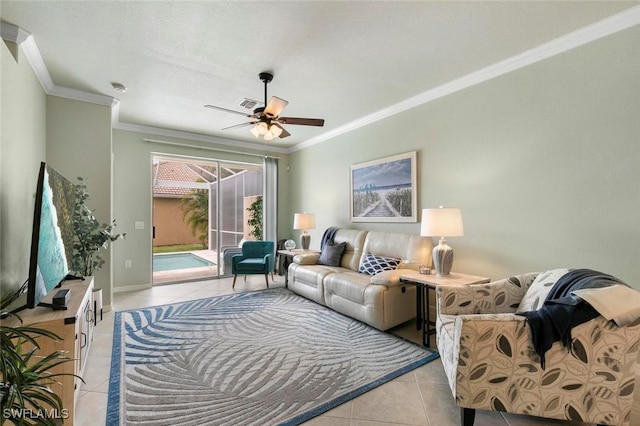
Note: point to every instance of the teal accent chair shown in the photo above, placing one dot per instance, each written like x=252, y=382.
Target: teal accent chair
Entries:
x=258, y=257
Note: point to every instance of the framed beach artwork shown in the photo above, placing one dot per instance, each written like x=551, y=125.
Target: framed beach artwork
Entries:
x=384, y=190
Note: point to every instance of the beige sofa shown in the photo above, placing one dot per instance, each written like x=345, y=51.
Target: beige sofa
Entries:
x=379, y=300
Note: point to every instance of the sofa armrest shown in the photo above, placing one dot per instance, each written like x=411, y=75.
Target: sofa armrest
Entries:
x=236, y=258
x=306, y=258
x=502, y=296
x=388, y=278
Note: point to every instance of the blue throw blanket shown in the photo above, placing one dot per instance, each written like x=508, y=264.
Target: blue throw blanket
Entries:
x=562, y=311
x=328, y=236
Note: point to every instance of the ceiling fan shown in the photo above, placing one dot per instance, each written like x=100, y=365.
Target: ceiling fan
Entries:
x=266, y=120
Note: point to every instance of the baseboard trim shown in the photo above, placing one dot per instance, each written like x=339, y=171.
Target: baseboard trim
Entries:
x=127, y=288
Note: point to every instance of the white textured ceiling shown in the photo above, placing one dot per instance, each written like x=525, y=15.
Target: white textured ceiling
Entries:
x=334, y=60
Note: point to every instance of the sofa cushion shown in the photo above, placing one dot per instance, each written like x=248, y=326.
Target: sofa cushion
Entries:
x=311, y=274
x=539, y=289
x=372, y=264
x=353, y=250
x=331, y=254
x=348, y=284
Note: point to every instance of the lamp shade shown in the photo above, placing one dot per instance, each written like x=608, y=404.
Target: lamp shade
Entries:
x=442, y=222
x=304, y=221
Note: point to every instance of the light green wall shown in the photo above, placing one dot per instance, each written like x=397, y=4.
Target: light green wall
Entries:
x=544, y=163
x=79, y=145
x=22, y=148
x=132, y=196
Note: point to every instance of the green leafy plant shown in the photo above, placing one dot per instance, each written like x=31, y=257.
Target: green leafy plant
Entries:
x=90, y=236
x=27, y=398
x=255, y=218
x=195, y=210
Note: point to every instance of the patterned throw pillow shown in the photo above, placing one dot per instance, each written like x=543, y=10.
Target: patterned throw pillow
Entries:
x=372, y=264
x=331, y=254
x=539, y=289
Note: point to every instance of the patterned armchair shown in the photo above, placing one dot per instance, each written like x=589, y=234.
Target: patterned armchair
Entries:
x=491, y=364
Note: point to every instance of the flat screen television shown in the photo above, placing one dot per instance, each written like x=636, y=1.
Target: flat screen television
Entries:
x=52, y=234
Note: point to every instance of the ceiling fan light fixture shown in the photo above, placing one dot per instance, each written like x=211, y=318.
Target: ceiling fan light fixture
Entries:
x=268, y=136
x=275, y=130
x=254, y=131
x=262, y=128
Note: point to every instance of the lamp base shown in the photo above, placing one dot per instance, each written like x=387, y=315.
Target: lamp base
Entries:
x=442, y=258
x=305, y=240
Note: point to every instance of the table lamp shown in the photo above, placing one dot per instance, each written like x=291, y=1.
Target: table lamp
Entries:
x=304, y=221
x=442, y=222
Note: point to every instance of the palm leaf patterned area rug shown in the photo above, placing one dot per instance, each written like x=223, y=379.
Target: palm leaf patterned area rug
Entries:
x=260, y=358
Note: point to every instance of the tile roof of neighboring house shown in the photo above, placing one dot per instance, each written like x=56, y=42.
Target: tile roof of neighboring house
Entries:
x=180, y=172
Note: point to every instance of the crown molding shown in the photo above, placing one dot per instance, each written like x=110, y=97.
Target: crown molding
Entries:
x=138, y=128
x=81, y=95
x=13, y=33
x=605, y=27
x=27, y=44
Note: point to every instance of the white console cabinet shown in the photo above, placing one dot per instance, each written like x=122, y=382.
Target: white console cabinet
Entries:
x=75, y=327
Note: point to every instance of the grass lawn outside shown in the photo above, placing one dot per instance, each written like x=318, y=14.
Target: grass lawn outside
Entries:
x=179, y=247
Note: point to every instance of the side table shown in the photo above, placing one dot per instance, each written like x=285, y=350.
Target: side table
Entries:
x=289, y=255
x=424, y=283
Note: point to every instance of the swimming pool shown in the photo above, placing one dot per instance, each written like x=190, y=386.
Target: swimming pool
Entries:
x=175, y=261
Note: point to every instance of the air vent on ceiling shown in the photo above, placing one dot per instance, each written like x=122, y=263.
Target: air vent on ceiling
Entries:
x=250, y=104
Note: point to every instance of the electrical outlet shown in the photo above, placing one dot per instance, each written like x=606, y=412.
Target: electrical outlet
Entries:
x=127, y=263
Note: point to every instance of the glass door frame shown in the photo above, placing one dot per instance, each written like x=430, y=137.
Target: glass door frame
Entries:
x=216, y=242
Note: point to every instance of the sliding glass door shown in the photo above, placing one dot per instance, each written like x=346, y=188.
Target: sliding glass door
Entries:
x=201, y=209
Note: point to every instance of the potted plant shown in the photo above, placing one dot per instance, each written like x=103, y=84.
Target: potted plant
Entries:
x=90, y=236
x=255, y=218
x=27, y=398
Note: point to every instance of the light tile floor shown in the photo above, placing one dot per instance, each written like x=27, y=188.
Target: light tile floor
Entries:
x=420, y=397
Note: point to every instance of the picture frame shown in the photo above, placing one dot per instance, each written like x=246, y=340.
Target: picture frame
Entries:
x=384, y=190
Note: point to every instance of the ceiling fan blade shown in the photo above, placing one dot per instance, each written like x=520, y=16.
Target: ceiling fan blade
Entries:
x=284, y=133
x=275, y=106
x=239, y=125
x=229, y=110
x=302, y=121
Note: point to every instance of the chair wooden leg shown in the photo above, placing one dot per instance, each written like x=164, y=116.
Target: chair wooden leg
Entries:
x=467, y=416
x=266, y=279
x=234, y=282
